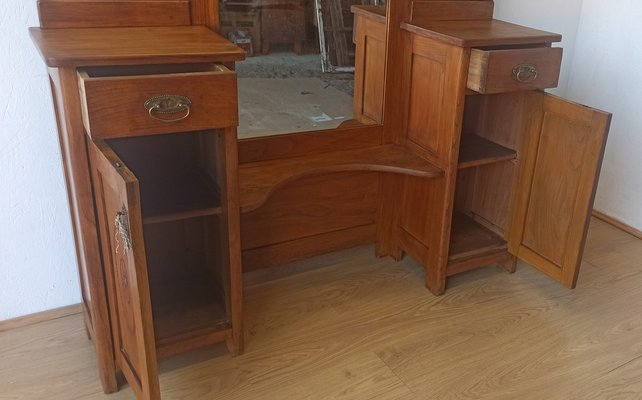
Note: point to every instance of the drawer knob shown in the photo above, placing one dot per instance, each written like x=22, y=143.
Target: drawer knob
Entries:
x=160, y=107
x=525, y=73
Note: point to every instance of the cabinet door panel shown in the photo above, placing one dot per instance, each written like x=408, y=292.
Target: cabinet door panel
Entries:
x=557, y=186
x=120, y=223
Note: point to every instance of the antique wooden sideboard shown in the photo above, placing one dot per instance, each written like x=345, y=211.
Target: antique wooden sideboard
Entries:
x=455, y=157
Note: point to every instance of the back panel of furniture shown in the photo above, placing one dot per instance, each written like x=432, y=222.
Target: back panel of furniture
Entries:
x=131, y=13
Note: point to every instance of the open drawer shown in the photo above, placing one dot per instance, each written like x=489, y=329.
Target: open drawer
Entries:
x=147, y=100
x=509, y=70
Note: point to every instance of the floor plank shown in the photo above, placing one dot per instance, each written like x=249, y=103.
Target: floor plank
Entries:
x=366, y=328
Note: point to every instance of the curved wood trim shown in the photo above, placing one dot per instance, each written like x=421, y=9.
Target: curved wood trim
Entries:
x=258, y=181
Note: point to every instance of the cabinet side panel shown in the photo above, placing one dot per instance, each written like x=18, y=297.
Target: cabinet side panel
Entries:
x=426, y=93
x=81, y=204
x=434, y=84
x=373, y=80
x=492, y=198
x=369, y=70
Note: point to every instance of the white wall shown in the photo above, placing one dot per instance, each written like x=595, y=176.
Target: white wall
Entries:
x=559, y=16
x=606, y=74
x=603, y=57
x=37, y=258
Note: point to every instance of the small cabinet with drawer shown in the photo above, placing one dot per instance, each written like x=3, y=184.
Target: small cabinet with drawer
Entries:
x=165, y=195
x=147, y=120
x=521, y=165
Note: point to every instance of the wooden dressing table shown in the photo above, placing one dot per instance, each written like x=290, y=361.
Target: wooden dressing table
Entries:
x=455, y=157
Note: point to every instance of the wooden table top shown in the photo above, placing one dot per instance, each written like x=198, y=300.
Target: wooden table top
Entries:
x=479, y=33
x=127, y=46
x=377, y=13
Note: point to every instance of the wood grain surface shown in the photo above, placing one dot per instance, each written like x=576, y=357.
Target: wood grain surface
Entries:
x=369, y=70
x=114, y=106
x=131, y=46
x=491, y=71
x=125, y=269
x=364, y=328
x=432, y=10
x=481, y=33
x=259, y=180
x=106, y=13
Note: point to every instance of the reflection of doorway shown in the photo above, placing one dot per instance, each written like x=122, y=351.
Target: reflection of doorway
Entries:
x=335, y=24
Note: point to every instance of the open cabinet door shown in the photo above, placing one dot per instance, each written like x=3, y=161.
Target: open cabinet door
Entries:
x=557, y=185
x=120, y=225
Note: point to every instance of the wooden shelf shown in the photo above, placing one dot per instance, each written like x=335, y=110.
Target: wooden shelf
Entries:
x=473, y=245
x=188, y=313
x=475, y=151
x=257, y=181
x=169, y=199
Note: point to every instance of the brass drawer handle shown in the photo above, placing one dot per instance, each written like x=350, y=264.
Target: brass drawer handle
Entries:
x=159, y=106
x=525, y=73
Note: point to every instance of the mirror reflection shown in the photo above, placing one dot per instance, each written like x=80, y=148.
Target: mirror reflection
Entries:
x=299, y=70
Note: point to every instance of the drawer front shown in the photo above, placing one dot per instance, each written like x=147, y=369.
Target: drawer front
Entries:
x=121, y=106
x=497, y=71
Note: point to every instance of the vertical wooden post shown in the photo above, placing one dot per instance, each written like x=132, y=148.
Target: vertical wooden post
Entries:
x=391, y=187
x=205, y=12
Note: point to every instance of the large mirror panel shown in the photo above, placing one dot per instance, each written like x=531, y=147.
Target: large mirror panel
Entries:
x=298, y=75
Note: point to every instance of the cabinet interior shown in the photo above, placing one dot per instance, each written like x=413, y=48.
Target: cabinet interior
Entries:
x=151, y=69
x=180, y=183
x=489, y=162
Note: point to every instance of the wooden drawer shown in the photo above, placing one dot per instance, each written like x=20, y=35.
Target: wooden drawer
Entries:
x=118, y=105
x=497, y=71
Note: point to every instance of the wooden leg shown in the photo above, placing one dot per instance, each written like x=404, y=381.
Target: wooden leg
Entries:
x=298, y=46
x=235, y=344
x=436, y=285
x=388, y=214
x=510, y=265
x=397, y=254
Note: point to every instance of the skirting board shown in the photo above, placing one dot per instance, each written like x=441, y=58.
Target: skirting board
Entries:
x=40, y=317
x=617, y=223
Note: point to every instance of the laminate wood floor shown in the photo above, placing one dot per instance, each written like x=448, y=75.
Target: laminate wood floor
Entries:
x=365, y=328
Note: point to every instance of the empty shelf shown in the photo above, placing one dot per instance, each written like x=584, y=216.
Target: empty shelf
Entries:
x=475, y=151
x=473, y=245
x=169, y=199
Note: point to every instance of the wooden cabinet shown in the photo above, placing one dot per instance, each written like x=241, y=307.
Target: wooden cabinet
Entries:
x=521, y=166
x=464, y=162
x=282, y=21
x=148, y=135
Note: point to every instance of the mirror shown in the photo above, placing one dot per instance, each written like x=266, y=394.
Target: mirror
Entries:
x=298, y=74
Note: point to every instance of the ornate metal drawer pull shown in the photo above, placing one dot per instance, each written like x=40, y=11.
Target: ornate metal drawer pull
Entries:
x=168, y=104
x=525, y=73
